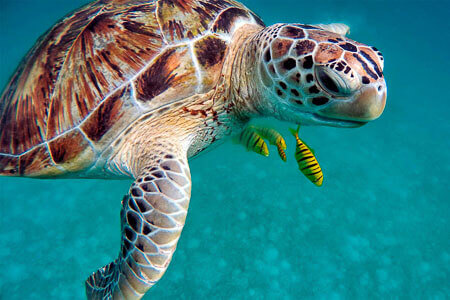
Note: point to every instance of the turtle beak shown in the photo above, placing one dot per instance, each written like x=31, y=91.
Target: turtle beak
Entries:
x=366, y=105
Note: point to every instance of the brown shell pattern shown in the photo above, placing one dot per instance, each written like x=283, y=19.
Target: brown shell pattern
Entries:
x=100, y=68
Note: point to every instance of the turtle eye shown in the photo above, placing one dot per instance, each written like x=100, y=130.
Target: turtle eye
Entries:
x=332, y=82
x=327, y=82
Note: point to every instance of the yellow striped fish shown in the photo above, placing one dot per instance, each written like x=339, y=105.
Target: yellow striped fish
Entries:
x=281, y=153
x=252, y=141
x=307, y=162
x=275, y=139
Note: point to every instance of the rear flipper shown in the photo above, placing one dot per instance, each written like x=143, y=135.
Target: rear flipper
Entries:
x=152, y=217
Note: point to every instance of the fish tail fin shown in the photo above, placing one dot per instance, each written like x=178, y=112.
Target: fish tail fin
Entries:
x=295, y=131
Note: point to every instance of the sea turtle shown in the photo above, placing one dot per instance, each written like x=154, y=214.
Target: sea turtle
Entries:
x=134, y=88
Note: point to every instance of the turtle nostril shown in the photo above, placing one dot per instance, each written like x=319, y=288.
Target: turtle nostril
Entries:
x=380, y=87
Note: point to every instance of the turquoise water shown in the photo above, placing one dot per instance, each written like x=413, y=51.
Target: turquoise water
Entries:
x=379, y=227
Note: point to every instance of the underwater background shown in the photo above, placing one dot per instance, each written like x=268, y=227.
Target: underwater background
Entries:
x=379, y=228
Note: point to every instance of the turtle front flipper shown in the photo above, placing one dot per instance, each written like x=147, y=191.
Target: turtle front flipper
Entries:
x=152, y=217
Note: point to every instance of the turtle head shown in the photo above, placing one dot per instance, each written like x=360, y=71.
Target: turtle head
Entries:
x=316, y=75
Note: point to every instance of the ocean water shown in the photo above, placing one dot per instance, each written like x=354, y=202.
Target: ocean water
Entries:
x=379, y=228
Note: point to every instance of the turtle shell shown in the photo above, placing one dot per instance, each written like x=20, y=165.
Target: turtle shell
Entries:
x=100, y=68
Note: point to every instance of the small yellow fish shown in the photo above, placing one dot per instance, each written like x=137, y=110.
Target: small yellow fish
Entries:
x=307, y=162
x=252, y=141
x=274, y=138
x=281, y=152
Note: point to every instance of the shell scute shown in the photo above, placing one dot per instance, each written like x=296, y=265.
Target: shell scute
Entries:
x=110, y=118
x=71, y=151
x=185, y=19
x=24, y=105
x=114, y=46
x=9, y=165
x=170, y=77
x=38, y=163
x=210, y=52
x=227, y=18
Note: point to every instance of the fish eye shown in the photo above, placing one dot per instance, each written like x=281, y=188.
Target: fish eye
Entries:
x=332, y=82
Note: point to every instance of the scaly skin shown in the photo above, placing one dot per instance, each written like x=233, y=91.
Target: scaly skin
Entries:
x=154, y=146
x=278, y=76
